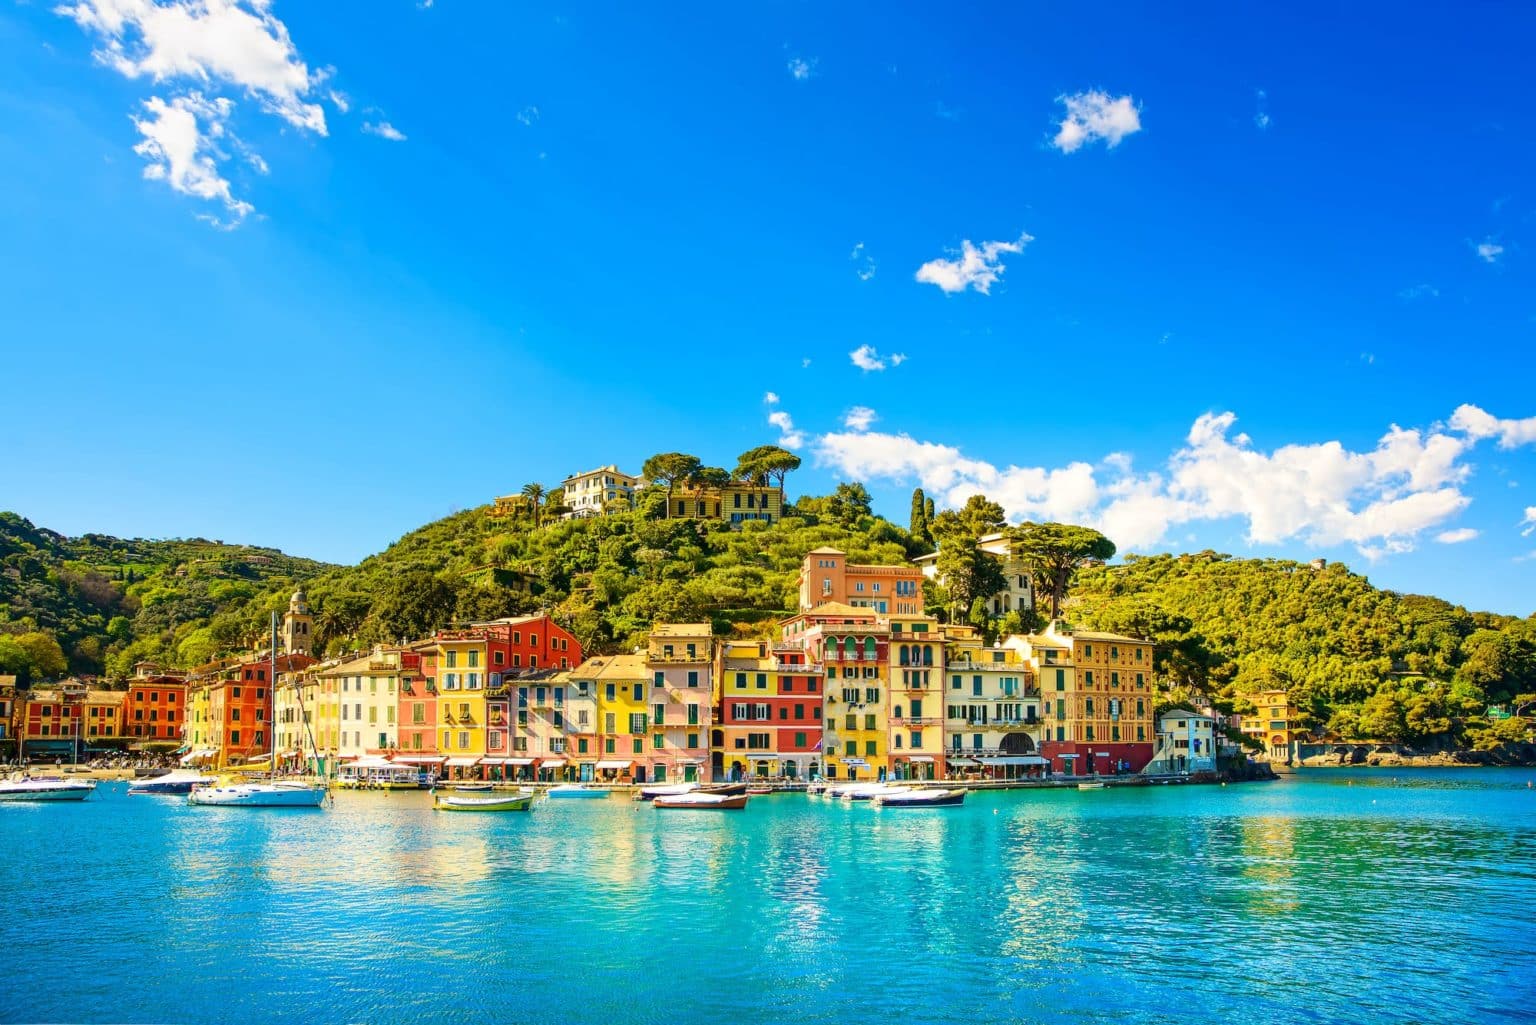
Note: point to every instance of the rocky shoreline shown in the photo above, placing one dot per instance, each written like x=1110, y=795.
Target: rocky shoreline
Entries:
x=1393, y=756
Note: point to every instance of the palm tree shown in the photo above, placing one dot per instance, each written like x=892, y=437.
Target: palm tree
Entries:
x=535, y=495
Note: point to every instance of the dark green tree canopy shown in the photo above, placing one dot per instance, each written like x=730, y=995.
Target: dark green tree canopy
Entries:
x=1054, y=552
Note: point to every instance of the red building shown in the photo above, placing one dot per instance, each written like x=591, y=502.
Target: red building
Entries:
x=241, y=703
x=768, y=723
x=155, y=710
x=522, y=644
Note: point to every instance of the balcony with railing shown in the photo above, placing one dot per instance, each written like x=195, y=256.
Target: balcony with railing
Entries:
x=799, y=668
x=915, y=722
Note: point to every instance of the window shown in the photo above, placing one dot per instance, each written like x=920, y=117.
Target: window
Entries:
x=474, y=659
x=658, y=713
x=463, y=741
x=762, y=681
x=869, y=748
x=639, y=692
x=693, y=716
x=657, y=740
x=658, y=679
x=976, y=686
x=693, y=678
x=452, y=660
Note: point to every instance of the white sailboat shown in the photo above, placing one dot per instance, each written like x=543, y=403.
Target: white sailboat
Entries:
x=276, y=793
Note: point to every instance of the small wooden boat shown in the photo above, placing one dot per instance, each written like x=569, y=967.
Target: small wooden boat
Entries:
x=520, y=801
x=575, y=790
x=703, y=802
x=920, y=799
x=650, y=793
x=1090, y=786
x=470, y=788
x=725, y=789
x=759, y=791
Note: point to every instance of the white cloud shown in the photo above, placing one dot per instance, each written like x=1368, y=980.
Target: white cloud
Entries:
x=1419, y=292
x=1457, y=536
x=1096, y=115
x=805, y=362
x=867, y=357
x=1489, y=251
x=1529, y=523
x=1261, y=116
x=181, y=147
x=803, y=68
x=977, y=267
x=1381, y=500
x=865, y=268
x=1479, y=424
x=789, y=437
x=528, y=115
x=241, y=44
x=384, y=130
x=193, y=49
x=340, y=101
x=771, y=397
x=859, y=418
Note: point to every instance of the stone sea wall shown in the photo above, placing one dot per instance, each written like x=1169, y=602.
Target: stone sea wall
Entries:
x=1319, y=755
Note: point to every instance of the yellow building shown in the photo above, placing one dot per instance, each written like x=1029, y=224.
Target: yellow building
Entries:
x=735, y=503
x=915, y=669
x=104, y=717
x=1097, y=693
x=619, y=686
x=853, y=646
x=461, y=685
x=992, y=709
x=1273, y=723
x=595, y=492
x=202, y=733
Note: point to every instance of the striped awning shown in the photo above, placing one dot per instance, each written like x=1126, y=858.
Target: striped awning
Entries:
x=463, y=763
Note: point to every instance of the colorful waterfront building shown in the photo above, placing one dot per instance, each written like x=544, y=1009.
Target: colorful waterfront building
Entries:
x=297, y=734
x=593, y=493
x=735, y=503
x=769, y=712
x=239, y=705
x=1273, y=723
x=366, y=693
x=51, y=721
x=1097, y=693
x=416, y=727
x=991, y=709
x=8, y=714
x=680, y=661
x=915, y=698
x=1186, y=743
x=154, y=711
x=620, y=684
x=826, y=575
x=103, y=721
x=523, y=644
x=853, y=646
x=542, y=714
x=461, y=686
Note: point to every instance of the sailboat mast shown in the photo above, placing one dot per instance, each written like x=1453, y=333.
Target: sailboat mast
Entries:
x=272, y=690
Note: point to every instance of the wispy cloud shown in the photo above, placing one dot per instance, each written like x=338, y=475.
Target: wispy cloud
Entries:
x=1529, y=523
x=192, y=49
x=803, y=68
x=859, y=418
x=864, y=264
x=384, y=130
x=1261, y=113
x=340, y=100
x=866, y=357
x=1488, y=251
x=1094, y=115
x=1419, y=292
x=976, y=267
x=528, y=115
x=1457, y=536
x=771, y=398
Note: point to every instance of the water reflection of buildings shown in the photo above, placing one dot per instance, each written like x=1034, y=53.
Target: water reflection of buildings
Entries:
x=1268, y=846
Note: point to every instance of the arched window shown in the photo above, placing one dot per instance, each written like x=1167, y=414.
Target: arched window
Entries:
x=869, y=648
x=927, y=654
x=906, y=658
x=850, y=648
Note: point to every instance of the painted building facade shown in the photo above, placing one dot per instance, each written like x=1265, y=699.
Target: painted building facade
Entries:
x=590, y=493
x=992, y=709
x=826, y=575
x=915, y=671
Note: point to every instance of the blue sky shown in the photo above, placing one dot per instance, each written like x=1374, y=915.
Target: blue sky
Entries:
x=313, y=275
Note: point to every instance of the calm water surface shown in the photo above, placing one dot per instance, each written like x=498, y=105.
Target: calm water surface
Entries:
x=1336, y=895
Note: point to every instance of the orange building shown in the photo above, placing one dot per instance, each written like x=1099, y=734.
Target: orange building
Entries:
x=155, y=710
x=826, y=575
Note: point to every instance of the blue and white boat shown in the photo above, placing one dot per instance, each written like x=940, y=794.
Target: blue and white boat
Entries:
x=49, y=788
x=575, y=790
x=179, y=781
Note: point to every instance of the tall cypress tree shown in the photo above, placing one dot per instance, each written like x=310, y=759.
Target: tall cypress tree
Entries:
x=919, y=523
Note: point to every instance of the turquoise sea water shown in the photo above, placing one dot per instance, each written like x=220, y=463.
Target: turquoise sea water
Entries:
x=1399, y=896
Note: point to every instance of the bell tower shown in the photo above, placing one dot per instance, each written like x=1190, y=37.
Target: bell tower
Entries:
x=298, y=625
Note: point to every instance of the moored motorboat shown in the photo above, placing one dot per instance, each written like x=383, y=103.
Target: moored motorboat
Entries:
x=520, y=801
x=726, y=789
x=758, y=790
x=697, y=801
x=934, y=798
x=45, y=788
x=281, y=794
x=650, y=793
x=575, y=790
x=1090, y=786
x=467, y=787
x=177, y=781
